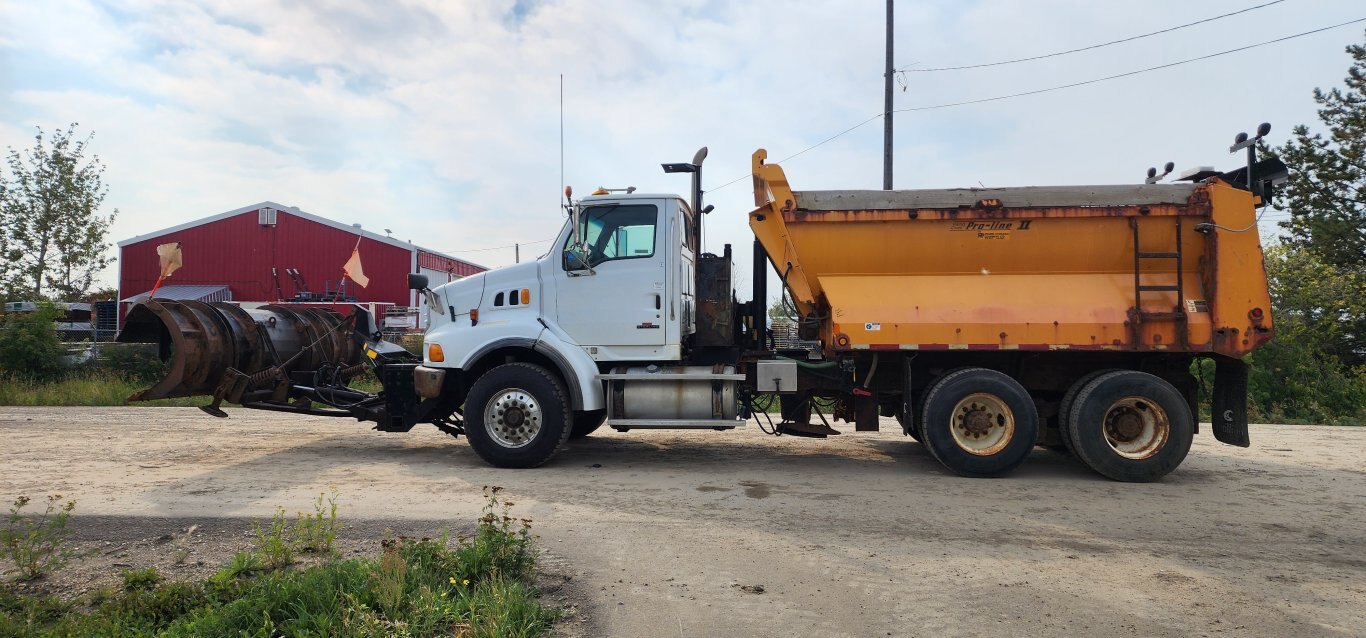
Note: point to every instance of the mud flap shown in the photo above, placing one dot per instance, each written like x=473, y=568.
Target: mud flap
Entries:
x=1228, y=406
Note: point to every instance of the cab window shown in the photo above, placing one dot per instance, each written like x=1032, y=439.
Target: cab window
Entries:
x=618, y=232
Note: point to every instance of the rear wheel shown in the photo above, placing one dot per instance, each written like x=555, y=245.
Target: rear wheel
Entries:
x=1130, y=426
x=586, y=422
x=1070, y=398
x=517, y=415
x=978, y=422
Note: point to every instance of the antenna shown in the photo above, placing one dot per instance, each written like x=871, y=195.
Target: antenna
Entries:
x=562, y=132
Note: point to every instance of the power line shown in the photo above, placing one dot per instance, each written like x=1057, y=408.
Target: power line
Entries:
x=1046, y=90
x=1087, y=48
x=813, y=146
x=1124, y=75
x=480, y=250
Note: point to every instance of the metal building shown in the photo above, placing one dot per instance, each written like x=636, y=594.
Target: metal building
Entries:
x=269, y=253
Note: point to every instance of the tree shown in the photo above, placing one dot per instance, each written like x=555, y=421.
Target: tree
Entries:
x=1326, y=196
x=56, y=234
x=6, y=266
x=1299, y=375
x=1326, y=192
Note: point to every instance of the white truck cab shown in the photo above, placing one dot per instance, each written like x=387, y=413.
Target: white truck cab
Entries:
x=615, y=288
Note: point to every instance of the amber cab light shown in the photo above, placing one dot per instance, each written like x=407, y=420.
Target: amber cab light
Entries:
x=474, y=316
x=434, y=352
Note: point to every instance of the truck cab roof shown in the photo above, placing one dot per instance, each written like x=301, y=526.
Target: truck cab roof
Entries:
x=627, y=196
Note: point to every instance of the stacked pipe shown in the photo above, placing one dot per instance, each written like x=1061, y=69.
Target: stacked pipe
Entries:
x=202, y=341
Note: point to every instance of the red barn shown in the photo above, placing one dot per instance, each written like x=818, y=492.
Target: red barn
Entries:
x=252, y=253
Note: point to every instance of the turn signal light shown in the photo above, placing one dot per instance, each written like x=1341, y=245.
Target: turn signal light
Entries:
x=526, y=296
x=474, y=316
x=434, y=353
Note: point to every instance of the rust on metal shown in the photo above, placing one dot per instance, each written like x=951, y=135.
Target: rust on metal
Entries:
x=223, y=349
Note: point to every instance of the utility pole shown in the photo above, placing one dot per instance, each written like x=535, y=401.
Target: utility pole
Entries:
x=887, y=109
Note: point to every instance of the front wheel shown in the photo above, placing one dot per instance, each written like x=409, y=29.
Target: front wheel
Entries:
x=1130, y=426
x=978, y=422
x=517, y=415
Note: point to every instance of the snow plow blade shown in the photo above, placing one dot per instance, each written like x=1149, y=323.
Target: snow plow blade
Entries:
x=211, y=345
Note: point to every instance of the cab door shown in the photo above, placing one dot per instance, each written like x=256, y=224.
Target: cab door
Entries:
x=613, y=294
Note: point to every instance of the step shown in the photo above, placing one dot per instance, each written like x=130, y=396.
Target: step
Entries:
x=673, y=424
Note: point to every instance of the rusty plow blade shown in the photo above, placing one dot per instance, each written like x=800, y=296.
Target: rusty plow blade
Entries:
x=239, y=354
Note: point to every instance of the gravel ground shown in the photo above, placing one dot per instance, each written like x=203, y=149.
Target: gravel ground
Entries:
x=738, y=533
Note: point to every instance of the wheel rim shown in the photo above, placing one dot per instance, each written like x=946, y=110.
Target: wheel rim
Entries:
x=1136, y=428
x=513, y=417
x=982, y=424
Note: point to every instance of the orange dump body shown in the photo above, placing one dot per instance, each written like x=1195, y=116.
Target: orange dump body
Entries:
x=1161, y=267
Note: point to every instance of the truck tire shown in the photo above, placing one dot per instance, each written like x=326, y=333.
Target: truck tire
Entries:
x=586, y=422
x=1068, y=399
x=1130, y=426
x=978, y=422
x=517, y=415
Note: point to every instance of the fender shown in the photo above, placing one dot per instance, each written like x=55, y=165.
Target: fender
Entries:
x=579, y=372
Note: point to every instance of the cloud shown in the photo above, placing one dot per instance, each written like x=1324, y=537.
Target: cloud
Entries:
x=441, y=119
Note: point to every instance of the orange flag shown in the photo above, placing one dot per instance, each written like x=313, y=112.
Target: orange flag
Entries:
x=353, y=270
x=170, y=257
x=171, y=260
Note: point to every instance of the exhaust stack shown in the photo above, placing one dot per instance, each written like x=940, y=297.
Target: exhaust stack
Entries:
x=203, y=341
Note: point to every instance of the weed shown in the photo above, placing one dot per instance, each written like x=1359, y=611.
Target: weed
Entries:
x=415, y=588
x=182, y=549
x=315, y=532
x=242, y=565
x=275, y=545
x=390, y=579
x=37, y=545
x=501, y=547
x=144, y=579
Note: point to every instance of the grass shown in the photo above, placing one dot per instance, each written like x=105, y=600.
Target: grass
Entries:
x=476, y=586
x=101, y=387
x=83, y=388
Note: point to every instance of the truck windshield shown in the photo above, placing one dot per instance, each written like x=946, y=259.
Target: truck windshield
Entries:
x=619, y=232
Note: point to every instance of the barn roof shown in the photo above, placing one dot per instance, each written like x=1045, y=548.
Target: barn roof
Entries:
x=186, y=293
x=292, y=210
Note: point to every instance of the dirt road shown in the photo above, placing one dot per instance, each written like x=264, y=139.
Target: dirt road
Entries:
x=709, y=533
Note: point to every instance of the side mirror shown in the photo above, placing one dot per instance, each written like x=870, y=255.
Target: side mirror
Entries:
x=575, y=260
x=417, y=281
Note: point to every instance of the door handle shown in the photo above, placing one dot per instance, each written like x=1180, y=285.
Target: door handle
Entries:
x=657, y=301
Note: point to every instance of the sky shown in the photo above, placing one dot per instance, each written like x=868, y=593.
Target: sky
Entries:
x=441, y=121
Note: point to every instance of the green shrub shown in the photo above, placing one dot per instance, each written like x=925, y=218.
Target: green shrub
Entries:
x=144, y=579
x=137, y=362
x=37, y=545
x=1292, y=383
x=29, y=347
